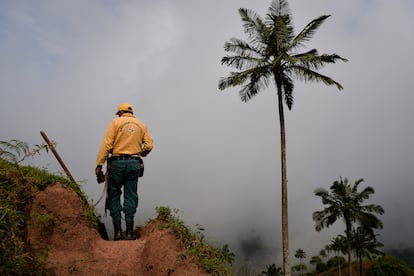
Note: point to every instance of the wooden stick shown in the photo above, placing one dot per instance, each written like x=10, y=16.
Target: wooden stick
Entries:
x=52, y=148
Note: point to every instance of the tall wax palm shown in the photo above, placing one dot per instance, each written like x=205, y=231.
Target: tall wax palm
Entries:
x=272, y=55
x=345, y=202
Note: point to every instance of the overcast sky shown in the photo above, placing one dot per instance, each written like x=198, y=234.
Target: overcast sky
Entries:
x=66, y=65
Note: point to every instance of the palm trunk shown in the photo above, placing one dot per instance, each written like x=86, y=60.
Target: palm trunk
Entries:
x=349, y=241
x=285, y=232
x=339, y=265
x=348, y=238
x=349, y=259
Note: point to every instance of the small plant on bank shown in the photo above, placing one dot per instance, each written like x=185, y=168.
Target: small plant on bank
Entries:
x=15, y=151
x=213, y=260
x=170, y=270
x=46, y=222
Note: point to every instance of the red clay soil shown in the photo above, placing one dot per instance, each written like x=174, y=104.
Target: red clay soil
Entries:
x=59, y=230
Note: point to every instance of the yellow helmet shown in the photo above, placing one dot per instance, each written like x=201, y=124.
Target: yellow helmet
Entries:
x=124, y=107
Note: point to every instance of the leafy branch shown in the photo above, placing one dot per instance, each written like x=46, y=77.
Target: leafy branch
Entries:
x=16, y=151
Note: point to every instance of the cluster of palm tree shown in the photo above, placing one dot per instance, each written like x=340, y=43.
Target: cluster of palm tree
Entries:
x=273, y=55
x=345, y=202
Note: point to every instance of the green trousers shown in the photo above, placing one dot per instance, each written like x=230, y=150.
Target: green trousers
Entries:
x=123, y=174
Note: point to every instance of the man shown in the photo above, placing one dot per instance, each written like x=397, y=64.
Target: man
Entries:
x=127, y=140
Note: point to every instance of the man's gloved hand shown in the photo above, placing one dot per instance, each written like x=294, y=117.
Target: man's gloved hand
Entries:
x=100, y=177
x=144, y=153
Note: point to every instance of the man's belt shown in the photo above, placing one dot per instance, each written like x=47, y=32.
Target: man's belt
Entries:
x=124, y=157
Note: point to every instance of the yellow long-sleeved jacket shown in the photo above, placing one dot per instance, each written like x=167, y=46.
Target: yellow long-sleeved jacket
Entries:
x=125, y=135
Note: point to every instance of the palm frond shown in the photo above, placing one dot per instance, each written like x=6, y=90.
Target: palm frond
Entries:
x=325, y=218
x=241, y=62
x=307, y=33
x=259, y=80
x=321, y=192
x=313, y=61
x=304, y=56
x=252, y=23
x=241, y=48
x=288, y=85
x=7, y=155
x=372, y=208
x=256, y=29
x=278, y=8
x=235, y=78
x=283, y=31
x=306, y=74
x=14, y=150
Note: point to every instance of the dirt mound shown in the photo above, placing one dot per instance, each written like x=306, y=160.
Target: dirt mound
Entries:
x=59, y=231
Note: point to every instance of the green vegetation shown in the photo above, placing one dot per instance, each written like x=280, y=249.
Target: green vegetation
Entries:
x=12, y=226
x=15, y=200
x=388, y=265
x=16, y=186
x=383, y=266
x=212, y=259
x=272, y=54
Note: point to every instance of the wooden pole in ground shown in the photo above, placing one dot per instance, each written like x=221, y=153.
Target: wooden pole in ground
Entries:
x=52, y=148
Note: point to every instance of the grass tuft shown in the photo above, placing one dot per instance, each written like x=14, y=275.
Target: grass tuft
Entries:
x=211, y=259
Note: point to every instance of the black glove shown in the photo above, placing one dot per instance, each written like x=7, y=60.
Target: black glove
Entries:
x=100, y=177
x=145, y=153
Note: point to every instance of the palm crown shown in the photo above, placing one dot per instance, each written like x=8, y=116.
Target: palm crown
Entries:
x=272, y=51
x=345, y=202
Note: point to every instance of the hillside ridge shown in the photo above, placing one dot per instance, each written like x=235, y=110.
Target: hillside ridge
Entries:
x=58, y=230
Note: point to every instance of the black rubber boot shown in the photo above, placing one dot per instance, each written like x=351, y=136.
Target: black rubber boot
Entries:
x=130, y=233
x=117, y=230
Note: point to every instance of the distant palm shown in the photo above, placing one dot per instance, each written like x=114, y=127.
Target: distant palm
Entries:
x=365, y=244
x=272, y=270
x=227, y=255
x=272, y=56
x=339, y=246
x=318, y=263
x=300, y=254
x=344, y=201
x=323, y=253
